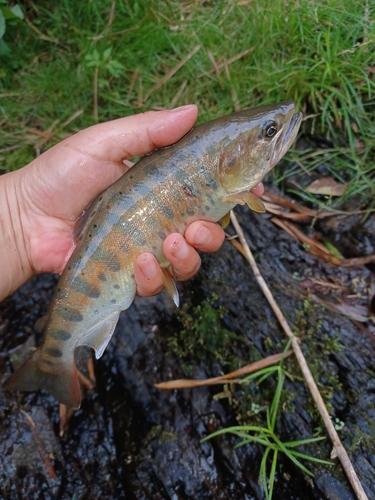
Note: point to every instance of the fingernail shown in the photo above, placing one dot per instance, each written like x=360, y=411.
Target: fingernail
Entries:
x=182, y=108
x=149, y=267
x=181, y=249
x=202, y=236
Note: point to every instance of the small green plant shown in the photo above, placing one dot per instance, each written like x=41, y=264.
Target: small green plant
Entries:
x=106, y=64
x=8, y=16
x=266, y=435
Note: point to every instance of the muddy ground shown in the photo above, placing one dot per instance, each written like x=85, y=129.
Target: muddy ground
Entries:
x=131, y=441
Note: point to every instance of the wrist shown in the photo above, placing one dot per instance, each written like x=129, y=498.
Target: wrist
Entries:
x=15, y=267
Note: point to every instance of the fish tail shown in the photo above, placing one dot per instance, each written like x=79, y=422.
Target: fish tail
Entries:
x=62, y=383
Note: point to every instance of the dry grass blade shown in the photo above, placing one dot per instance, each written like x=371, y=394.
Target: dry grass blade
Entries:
x=229, y=377
x=318, y=249
x=40, y=445
x=314, y=246
x=75, y=115
x=170, y=73
x=176, y=98
x=357, y=261
x=275, y=209
x=219, y=66
x=316, y=214
x=338, y=447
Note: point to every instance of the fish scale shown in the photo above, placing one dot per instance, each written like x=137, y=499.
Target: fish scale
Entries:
x=203, y=176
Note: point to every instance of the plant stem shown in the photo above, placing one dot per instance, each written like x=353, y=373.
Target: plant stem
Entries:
x=96, y=73
x=338, y=447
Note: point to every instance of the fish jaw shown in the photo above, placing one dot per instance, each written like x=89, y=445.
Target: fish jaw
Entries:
x=288, y=137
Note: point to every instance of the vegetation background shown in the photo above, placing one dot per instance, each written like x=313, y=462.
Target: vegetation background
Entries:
x=70, y=64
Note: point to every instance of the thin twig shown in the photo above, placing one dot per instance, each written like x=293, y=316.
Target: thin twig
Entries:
x=96, y=73
x=40, y=445
x=170, y=73
x=227, y=62
x=338, y=448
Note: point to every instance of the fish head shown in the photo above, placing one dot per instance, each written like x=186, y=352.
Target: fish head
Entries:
x=255, y=140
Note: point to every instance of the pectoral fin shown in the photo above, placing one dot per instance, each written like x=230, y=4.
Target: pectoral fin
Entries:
x=246, y=198
x=225, y=220
x=170, y=285
x=99, y=336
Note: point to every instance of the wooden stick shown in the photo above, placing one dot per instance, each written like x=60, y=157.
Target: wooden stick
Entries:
x=338, y=448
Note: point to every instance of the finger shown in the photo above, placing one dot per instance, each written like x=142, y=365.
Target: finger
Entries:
x=182, y=256
x=205, y=236
x=148, y=275
x=258, y=190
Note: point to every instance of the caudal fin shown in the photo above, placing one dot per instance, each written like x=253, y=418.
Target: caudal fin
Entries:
x=63, y=385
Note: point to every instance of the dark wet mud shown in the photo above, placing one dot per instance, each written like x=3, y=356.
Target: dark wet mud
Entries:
x=131, y=441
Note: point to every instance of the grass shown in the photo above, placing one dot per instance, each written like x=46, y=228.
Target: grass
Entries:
x=266, y=435
x=108, y=59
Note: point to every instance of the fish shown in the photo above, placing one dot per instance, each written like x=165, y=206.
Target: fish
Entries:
x=201, y=177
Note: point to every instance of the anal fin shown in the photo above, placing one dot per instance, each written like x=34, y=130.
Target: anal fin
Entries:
x=99, y=336
x=246, y=198
x=170, y=285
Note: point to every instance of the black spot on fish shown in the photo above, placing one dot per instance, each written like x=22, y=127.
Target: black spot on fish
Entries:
x=100, y=199
x=113, y=264
x=69, y=314
x=162, y=235
x=57, y=334
x=82, y=286
x=95, y=225
x=167, y=212
x=132, y=277
x=139, y=237
x=54, y=352
x=113, y=301
x=116, y=287
x=207, y=208
x=154, y=247
x=102, y=277
x=190, y=211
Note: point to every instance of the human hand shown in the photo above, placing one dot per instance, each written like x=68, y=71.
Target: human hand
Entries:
x=43, y=199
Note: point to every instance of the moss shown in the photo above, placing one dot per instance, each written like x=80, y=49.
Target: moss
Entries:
x=204, y=338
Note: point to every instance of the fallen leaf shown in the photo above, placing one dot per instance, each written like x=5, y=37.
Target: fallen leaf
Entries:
x=327, y=186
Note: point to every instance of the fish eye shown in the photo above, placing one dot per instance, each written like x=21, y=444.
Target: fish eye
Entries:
x=269, y=129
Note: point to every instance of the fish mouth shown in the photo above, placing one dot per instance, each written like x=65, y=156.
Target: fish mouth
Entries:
x=288, y=136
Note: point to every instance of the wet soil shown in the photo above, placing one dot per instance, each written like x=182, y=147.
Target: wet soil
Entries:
x=131, y=441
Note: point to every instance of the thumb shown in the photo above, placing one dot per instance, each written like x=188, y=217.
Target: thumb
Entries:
x=85, y=164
